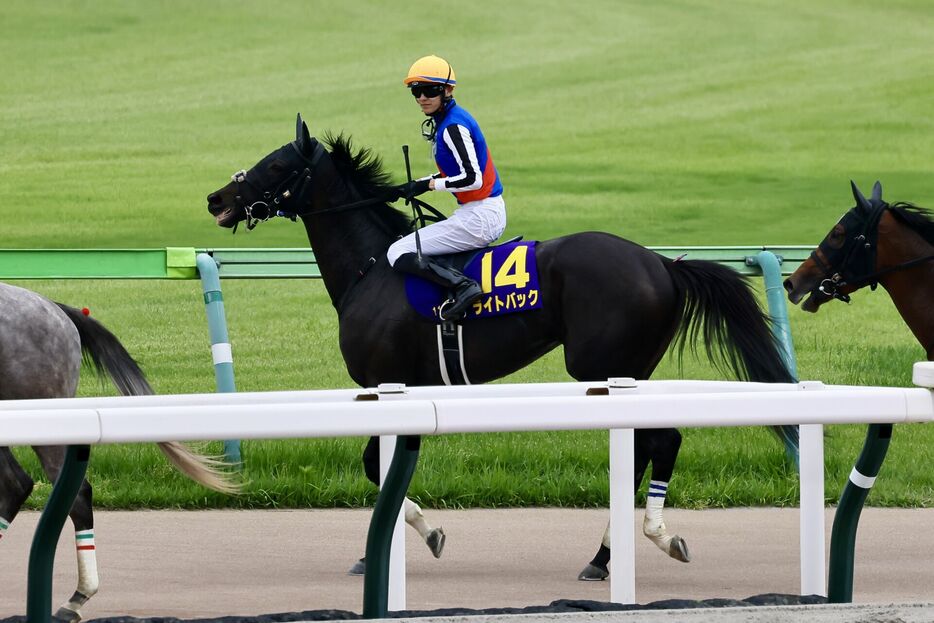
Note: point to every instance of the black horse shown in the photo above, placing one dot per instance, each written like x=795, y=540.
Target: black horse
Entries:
x=614, y=305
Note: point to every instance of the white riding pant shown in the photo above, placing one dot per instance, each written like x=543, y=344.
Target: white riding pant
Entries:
x=472, y=226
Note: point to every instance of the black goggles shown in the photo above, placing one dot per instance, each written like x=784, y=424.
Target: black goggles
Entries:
x=428, y=90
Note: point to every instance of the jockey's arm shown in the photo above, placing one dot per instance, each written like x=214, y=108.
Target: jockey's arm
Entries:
x=461, y=144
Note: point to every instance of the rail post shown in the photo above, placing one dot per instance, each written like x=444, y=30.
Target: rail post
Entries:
x=846, y=519
x=778, y=308
x=382, y=524
x=220, y=341
x=770, y=265
x=45, y=540
x=622, y=502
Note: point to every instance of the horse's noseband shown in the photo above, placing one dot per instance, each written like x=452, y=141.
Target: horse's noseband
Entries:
x=858, y=266
x=269, y=206
x=858, y=255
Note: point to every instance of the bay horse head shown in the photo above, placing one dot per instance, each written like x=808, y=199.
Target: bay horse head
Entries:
x=845, y=257
x=278, y=185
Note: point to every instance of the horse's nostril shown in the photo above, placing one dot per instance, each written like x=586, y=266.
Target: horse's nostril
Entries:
x=214, y=198
x=788, y=285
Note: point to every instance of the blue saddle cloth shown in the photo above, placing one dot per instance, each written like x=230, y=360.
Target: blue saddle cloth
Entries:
x=507, y=273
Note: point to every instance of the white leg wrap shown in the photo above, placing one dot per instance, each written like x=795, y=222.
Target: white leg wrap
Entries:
x=88, y=581
x=653, y=526
x=415, y=518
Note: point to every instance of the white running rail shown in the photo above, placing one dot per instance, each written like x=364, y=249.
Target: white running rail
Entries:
x=618, y=405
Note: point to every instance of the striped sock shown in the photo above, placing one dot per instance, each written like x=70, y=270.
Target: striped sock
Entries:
x=653, y=526
x=4, y=524
x=655, y=501
x=84, y=540
x=658, y=489
x=87, y=568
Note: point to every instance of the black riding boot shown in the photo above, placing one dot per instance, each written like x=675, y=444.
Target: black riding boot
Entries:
x=465, y=289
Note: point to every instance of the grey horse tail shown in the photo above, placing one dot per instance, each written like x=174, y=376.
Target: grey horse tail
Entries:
x=102, y=350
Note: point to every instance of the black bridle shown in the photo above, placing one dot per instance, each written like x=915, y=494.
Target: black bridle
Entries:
x=293, y=191
x=856, y=259
x=294, y=188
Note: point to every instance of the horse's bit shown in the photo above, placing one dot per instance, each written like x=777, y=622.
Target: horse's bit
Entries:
x=263, y=209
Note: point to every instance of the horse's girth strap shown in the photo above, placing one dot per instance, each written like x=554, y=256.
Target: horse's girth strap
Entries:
x=451, y=354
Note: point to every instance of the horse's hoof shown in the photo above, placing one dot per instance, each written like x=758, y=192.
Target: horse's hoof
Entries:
x=592, y=573
x=68, y=615
x=358, y=568
x=678, y=549
x=435, y=541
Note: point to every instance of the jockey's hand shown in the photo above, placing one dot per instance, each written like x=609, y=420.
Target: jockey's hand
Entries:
x=409, y=189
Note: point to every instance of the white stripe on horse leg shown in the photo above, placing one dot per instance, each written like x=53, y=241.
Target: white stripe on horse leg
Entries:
x=88, y=581
x=606, y=535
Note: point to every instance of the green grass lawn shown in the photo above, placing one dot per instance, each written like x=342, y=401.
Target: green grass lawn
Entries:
x=682, y=123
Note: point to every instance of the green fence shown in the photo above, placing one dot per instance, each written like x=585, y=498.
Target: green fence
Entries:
x=180, y=262
x=212, y=265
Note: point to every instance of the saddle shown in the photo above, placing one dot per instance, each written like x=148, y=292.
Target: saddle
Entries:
x=459, y=261
x=507, y=272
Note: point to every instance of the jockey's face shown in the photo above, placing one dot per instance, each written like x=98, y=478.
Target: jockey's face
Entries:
x=431, y=105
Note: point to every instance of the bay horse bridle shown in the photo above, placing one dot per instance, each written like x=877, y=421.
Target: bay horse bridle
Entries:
x=855, y=261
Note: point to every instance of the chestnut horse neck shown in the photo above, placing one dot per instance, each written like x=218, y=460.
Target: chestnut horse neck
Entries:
x=911, y=288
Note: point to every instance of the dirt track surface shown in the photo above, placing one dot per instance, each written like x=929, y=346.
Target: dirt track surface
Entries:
x=216, y=563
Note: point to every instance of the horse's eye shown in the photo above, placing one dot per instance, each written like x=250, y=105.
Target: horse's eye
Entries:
x=277, y=166
x=837, y=236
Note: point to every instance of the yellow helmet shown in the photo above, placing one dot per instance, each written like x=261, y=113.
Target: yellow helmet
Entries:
x=430, y=69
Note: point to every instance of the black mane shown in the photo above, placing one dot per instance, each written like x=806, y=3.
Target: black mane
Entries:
x=363, y=170
x=919, y=219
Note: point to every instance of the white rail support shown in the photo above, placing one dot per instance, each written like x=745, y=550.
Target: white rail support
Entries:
x=811, y=514
x=622, y=503
x=923, y=374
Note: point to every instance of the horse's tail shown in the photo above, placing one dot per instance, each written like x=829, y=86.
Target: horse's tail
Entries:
x=106, y=355
x=720, y=306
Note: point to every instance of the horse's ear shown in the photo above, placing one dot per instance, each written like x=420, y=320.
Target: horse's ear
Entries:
x=302, y=137
x=861, y=201
x=877, y=192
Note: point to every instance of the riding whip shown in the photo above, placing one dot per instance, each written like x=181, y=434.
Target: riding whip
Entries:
x=408, y=176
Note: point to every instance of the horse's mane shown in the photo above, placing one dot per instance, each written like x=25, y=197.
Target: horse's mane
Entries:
x=919, y=219
x=363, y=170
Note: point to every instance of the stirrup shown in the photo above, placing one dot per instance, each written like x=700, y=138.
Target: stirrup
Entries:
x=448, y=304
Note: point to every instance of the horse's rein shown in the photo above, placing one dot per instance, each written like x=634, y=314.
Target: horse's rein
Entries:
x=873, y=277
x=270, y=205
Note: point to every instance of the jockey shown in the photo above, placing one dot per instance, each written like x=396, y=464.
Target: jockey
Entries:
x=465, y=168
